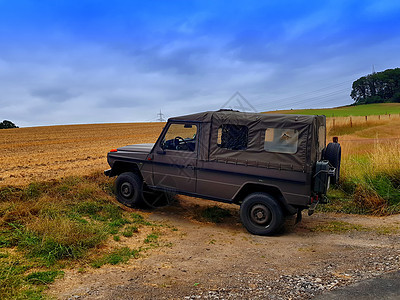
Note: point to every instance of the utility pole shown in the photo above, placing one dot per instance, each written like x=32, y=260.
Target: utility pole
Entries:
x=160, y=117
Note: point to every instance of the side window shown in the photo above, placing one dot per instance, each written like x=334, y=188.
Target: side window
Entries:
x=281, y=140
x=233, y=137
x=180, y=137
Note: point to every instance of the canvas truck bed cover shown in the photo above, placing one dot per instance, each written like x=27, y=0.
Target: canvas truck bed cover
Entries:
x=257, y=124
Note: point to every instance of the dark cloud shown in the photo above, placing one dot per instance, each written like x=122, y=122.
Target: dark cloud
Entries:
x=124, y=62
x=54, y=94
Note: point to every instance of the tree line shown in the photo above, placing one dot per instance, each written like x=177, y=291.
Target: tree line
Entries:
x=7, y=124
x=380, y=87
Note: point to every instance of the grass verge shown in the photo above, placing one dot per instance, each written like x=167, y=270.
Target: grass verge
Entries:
x=48, y=226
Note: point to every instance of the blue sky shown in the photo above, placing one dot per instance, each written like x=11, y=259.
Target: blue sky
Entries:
x=86, y=61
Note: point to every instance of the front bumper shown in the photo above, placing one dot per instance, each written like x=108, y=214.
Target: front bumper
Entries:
x=107, y=172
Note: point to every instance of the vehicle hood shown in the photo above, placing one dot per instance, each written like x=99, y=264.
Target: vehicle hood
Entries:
x=143, y=148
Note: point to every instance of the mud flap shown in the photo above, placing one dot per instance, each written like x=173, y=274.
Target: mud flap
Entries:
x=312, y=207
x=299, y=216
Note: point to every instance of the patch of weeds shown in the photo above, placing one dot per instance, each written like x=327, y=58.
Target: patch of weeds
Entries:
x=43, y=277
x=112, y=211
x=338, y=227
x=387, y=229
x=114, y=226
x=215, y=214
x=34, y=190
x=129, y=231
x=89, y=208
x=31, y=293
x=11, y=277
x=71, y=181
x=6, y=239
x=51, y=240
x=85, y=193
x=385, y=188
x=139, y=219
x=116, y=238
x=306, y=249
x=52, y=224
x=8, y=193
x=63, y=189
x=151, y=238
x=121, y=255
x=339, y=201
x=108, y=187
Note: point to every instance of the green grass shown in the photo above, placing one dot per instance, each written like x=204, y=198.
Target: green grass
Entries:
x=215, y=214
x=346, y=111
x=139, y=220
x=372, y=194
x=115, y=257
x=129, y=231
x=43, y=277
x=47, y=226
x=339, y=227
x=151, y=238
x=15, y=284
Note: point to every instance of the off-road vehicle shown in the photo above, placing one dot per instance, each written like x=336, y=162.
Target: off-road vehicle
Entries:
x=272, y=165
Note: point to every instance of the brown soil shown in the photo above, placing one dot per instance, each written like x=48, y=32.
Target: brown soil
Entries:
x=223, y=261
x=48, y=152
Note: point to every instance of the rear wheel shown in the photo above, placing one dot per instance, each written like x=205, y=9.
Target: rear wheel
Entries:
x=261, y=214
x=333, y=153
x=129, y=188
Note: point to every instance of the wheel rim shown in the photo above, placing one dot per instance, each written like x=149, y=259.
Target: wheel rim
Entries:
x=260, y=215
x=126, y=190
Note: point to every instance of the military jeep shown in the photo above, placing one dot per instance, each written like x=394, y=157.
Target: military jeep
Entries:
x=272, y=165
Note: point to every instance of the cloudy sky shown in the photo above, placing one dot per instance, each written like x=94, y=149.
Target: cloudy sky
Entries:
x=90, y=61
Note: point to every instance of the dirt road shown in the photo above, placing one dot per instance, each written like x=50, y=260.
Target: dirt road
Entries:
x=223, y=261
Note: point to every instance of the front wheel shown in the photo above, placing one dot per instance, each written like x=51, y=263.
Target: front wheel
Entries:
x=129, y=188
x=261, y=214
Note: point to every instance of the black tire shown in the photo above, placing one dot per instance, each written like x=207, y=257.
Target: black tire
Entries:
x=129, y=189
x=261, y=214
x=333, y=153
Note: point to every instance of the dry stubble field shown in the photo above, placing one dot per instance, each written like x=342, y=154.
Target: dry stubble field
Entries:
x=44, y=153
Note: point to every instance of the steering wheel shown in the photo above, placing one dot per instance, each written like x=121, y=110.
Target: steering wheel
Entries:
x=179, y=141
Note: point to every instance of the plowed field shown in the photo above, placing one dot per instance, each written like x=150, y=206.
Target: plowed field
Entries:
x=43, y=153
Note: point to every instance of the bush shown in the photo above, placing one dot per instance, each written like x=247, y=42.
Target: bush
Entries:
x=7, y=124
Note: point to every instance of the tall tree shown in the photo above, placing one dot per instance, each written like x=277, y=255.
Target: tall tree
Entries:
x=377, y=88
x=7, y=124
